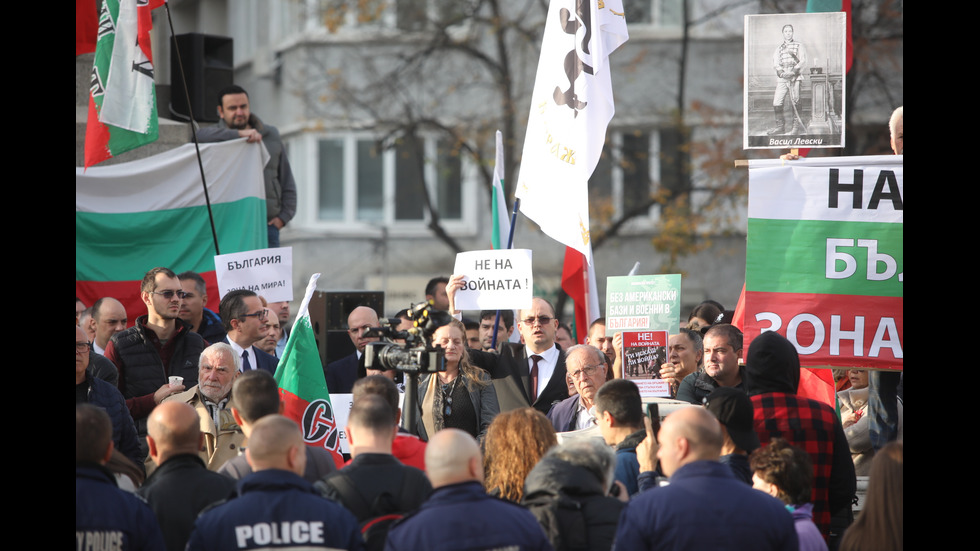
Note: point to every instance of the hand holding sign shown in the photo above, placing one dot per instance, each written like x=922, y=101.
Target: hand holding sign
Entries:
x=494, y=280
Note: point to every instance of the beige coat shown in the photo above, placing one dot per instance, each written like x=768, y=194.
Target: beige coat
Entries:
x=221, y=442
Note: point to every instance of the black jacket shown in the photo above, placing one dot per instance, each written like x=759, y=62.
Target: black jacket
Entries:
x=180, y=489
x=571, y=505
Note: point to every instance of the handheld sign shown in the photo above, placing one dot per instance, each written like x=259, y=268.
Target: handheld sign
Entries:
x=495, y=280
x=268, y=272
x=643, y=302
x=643, y=354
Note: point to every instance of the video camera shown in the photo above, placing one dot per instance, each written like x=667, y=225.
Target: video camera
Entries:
x=416, y=355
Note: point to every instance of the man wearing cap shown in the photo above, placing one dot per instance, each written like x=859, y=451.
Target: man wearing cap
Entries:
x=733, y=408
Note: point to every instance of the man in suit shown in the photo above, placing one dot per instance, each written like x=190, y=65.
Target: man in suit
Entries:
x=530, y=374
x=244, y=319
x=341, y=374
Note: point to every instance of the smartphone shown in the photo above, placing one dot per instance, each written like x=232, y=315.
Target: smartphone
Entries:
x=653, y=412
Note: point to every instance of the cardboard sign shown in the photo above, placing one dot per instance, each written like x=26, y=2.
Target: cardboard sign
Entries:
x=268, y=272
x=643, y=302
x=495, y=280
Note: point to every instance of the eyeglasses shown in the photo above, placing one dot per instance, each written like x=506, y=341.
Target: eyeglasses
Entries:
x=261, y=315
x=587, y=371
x=169, y=293
x=82, y=346
x=543, y=320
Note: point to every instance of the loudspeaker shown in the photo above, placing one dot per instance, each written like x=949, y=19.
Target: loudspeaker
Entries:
x=328, y=315
x=208, y=67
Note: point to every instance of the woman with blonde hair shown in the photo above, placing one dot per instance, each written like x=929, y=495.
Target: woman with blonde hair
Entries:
x=461, y=397
x=515, y=442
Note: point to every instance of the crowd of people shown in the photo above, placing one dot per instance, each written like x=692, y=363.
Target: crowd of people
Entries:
x=529, y=443
x=181, y=442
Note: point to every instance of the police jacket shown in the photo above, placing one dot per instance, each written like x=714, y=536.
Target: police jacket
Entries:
x=107, y=517
x=276, y=508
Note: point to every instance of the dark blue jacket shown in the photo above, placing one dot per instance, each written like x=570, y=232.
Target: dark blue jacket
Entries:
x=562, y=414
x=705, y=507
x=276, y=508
x=108, y=397
x=341, y=374
x=462, y=517
x=107, y=517
x=211, y=328
x=266, y=361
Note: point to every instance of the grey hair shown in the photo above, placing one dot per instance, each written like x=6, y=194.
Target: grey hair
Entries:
x=589, y=453
x=217, y=349
x=596, y=353
x=897, y=115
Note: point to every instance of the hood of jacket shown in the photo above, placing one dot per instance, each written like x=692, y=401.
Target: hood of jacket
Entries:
x=551, y=475
x=772, y=365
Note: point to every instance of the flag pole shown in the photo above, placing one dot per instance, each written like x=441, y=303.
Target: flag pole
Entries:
x=510, y=245
x=197, y=145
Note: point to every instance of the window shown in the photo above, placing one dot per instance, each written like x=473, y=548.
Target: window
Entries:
x=658, y=13
x=627, y=175
x=359, y=183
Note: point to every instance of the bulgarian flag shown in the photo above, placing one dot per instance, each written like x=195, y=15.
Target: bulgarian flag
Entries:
x=134, y=216
x=501, y=220
x=578, y=282
x=824, y=262
x=122, y=112
x=302, y=386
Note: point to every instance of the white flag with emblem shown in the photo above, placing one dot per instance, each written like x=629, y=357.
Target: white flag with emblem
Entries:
x=571, y=105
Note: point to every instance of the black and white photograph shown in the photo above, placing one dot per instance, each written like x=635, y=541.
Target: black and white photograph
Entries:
x=794, y=80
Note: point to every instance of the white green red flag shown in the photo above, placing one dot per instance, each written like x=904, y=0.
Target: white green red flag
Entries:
x=302, y=386
x=824, y=259
x=122, y=113
x=500, y=216
x=134, y=216
x=571, y=105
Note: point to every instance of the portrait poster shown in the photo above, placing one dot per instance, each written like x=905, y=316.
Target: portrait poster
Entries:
x=794, y=80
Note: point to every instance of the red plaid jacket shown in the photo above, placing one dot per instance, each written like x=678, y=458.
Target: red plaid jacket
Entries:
x=813, y=426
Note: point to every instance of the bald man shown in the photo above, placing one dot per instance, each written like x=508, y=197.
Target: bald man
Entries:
x=690, y=442
x=182, y=486
x=341, y=374
x=108, y=318
x=459, y=512
x=105, y=516
x=275, y=506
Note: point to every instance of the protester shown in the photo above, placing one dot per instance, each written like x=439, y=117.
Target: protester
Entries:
x=568, y=492
x=881, y=524
x=857, y=423
x=515, y=442
x=785, y=472
x=459, y=514
x=462, y=396
x=685, y=354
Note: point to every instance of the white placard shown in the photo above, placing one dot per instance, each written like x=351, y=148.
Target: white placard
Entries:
x=342, y=404
x=268, y=272
x=495, y=280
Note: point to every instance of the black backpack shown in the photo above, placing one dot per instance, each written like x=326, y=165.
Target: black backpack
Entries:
x=379, y=516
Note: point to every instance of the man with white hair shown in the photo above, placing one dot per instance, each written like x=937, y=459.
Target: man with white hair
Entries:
x=896, y=128
x=460, y=514
x=211, y=398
